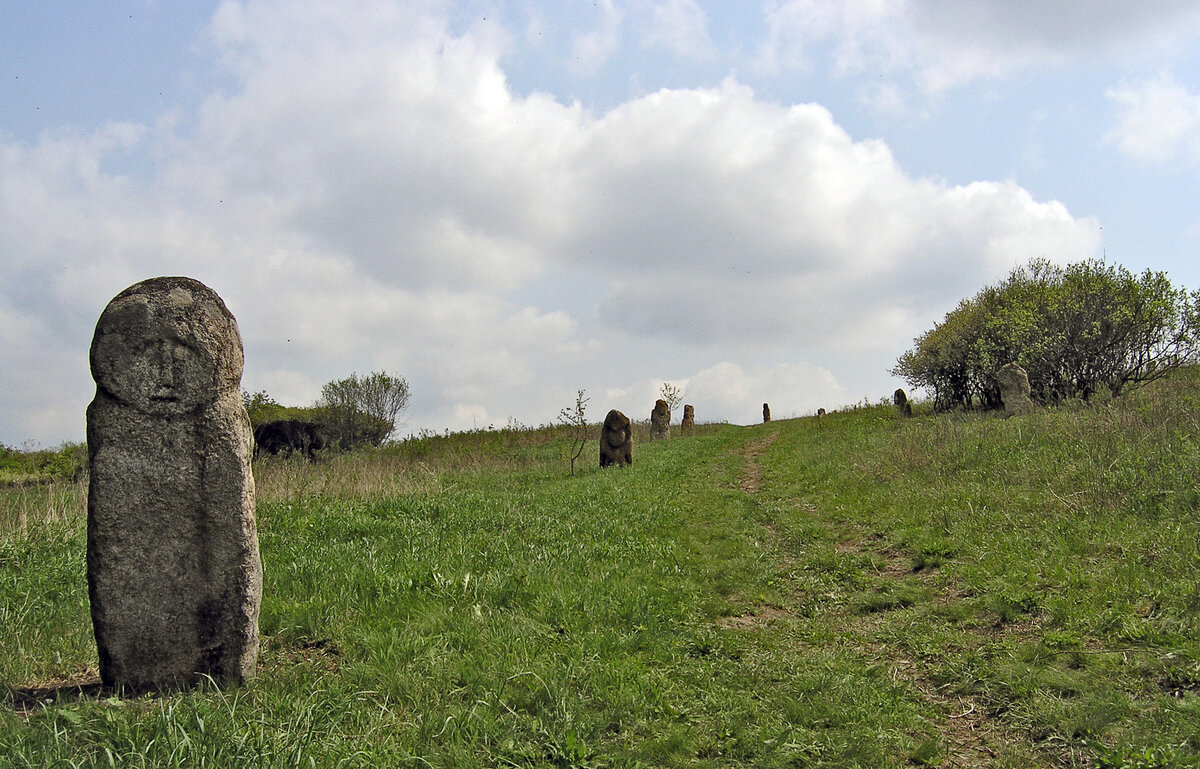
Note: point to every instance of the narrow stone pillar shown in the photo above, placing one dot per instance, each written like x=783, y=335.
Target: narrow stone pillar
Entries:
x=688, y=425
x=660, y=420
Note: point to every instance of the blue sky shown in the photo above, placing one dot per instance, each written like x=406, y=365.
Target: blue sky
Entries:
x=508, y=201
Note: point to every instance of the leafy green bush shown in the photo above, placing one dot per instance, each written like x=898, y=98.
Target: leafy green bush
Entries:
x=1076, y=330
x=355, y=411
x=363, y=410
x=68, y=462
x=263, y=409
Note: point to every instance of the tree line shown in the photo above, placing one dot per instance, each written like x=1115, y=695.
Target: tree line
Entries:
x=1077, y=330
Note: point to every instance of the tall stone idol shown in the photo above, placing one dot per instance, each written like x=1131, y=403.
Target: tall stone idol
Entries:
x=766, y=412
x=174, y=575
x=688, y=425
x=660, y=420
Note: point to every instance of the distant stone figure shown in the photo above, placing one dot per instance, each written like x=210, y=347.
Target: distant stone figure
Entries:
x=284, y=436
x=820, y=412
x=766, y=413
x=1014, y=388
x=902, y=404
x=660, y=420
x=688, y=425
x=616, y=440
x=173, y=568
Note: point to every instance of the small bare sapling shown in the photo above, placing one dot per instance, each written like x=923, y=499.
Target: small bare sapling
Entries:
x=672, y=395
x=576, y=420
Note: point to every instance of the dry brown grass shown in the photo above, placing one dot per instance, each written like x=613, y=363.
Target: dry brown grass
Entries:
x=36, y=504
x=350, y=476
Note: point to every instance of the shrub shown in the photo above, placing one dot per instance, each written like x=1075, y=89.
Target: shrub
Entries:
x=363, y=410
x=1075, y=330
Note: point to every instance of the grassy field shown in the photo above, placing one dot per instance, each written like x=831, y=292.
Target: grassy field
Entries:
x=852, y=590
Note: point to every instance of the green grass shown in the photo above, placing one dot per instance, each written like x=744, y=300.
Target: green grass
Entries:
x=855, y=590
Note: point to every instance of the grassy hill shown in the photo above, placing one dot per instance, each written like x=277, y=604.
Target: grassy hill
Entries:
x=852, y=590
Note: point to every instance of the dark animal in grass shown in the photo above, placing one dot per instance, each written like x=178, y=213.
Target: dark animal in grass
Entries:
x=285, y=436
x=616, y=440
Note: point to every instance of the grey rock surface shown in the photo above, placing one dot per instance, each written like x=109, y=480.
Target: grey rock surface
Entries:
x=1014, y=388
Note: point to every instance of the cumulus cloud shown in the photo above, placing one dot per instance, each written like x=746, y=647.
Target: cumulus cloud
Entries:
x=369, y=193
x=1158, y=120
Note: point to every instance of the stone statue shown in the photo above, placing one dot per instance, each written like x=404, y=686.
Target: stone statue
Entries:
x=688, y=425
x=660, y=420
x=174, y=575
x=616, y=440
x=1014, y=388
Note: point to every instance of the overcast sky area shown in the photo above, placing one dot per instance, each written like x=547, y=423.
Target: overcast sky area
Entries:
x=505, y=202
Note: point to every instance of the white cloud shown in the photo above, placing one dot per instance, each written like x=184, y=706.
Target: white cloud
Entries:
x=593, y=49
x=946, y=43
x=368, y=193
x=1158, y=120
x=730, y=392
x=726, y=220
x=858, y=32
x=680, y=26
x=737, y=394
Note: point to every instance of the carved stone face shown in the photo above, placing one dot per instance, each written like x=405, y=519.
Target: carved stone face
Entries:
x=159, y=352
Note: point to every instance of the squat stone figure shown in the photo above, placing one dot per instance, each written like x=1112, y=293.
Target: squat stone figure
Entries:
x=660, y=420
x=688, y=425
x=901, y=400
x=616, y=440
x=173, y=569
x=766, y=413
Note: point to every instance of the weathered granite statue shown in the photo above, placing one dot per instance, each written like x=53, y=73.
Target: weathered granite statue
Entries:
x=902, y=405
x=616, y=440
x=1014, y=388
x=688, y=425
x=173, y=569
x=660, y=420
x=766, y=413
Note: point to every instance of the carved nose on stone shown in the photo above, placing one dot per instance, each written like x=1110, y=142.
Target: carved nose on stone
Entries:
x=162, y=362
